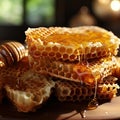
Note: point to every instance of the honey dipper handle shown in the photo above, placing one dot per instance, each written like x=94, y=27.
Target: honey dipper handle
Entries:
x=11, y=52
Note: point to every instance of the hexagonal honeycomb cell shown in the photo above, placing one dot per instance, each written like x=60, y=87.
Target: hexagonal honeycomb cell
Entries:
x=73, y=44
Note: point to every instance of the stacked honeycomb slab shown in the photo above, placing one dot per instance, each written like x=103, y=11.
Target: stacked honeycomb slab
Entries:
x=80, y=55
x=71, y=44
x=78, y=72
x=72, y=91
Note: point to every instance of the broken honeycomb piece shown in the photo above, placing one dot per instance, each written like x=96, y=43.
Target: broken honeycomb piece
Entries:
x=9, y=74
x=32, y=91
x=25, y=89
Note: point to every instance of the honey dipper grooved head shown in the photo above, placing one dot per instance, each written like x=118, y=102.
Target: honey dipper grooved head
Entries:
x=11, y=52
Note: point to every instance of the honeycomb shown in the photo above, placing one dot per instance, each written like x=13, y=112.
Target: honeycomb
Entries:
x=32, y=91
x=79, y=72
x=77, y=92
x=73, y=44
x=26, y=89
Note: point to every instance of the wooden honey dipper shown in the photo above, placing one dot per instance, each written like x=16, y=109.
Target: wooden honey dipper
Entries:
x=11, y=52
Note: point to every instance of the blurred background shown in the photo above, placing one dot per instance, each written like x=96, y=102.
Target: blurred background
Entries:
x=17, y=15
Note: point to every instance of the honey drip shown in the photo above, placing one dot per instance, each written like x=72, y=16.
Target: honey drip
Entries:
x=93, y=104
x=81, y=57
x=82, y=113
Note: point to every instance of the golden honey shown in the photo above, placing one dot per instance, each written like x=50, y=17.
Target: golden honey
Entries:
x=72, y=43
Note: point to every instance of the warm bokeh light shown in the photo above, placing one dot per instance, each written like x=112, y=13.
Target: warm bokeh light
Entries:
x=106, y=8
x=115, y=5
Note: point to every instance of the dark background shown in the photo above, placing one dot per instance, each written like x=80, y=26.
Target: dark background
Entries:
x=64, y=11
